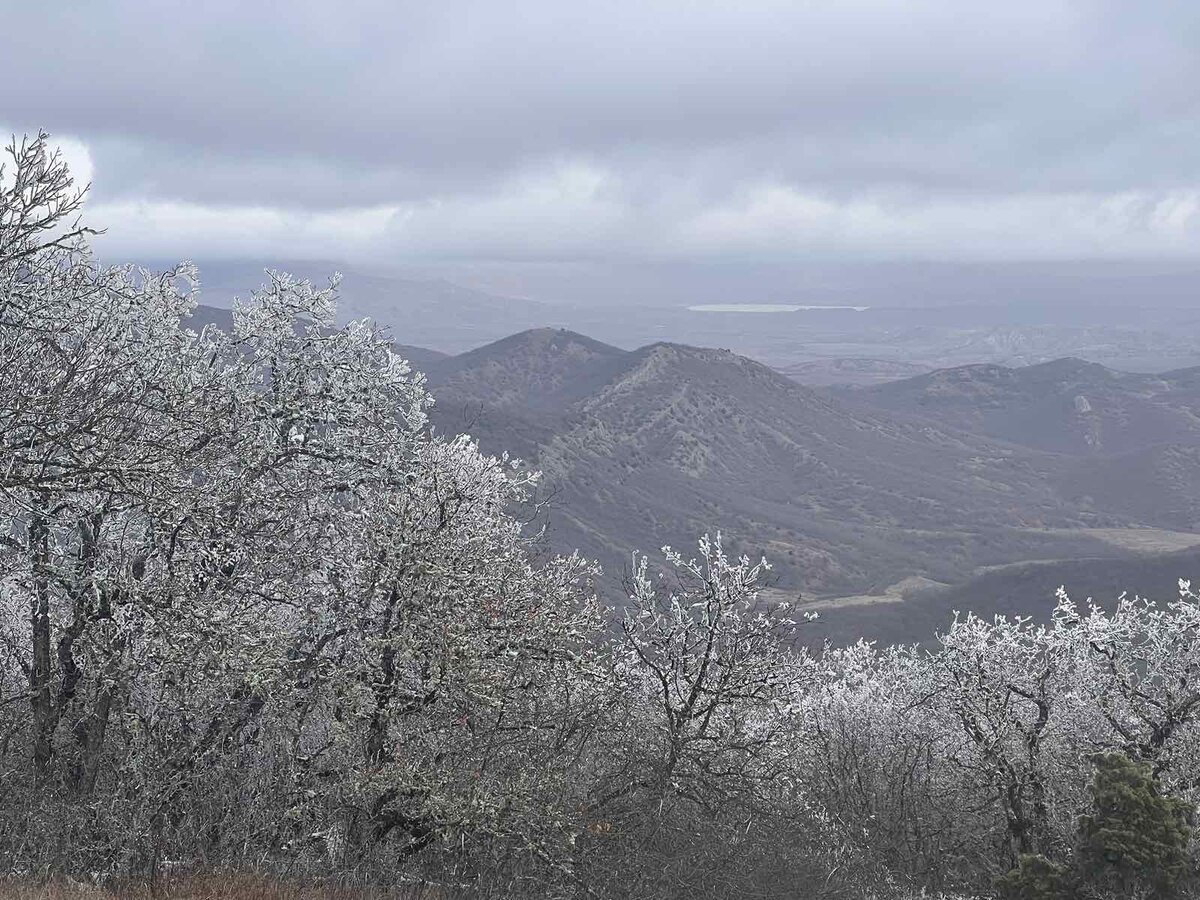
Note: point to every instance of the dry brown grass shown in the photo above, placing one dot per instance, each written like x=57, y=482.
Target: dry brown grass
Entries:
x=213, y=887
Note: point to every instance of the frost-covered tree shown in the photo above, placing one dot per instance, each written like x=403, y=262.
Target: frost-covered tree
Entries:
x=1140, y=668
x=699, y=766
x=248, y=601
x=718, y=674
x=95, y=411
x=948, y=766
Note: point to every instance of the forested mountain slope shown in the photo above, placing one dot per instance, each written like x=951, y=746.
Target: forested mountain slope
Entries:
x=651, y=446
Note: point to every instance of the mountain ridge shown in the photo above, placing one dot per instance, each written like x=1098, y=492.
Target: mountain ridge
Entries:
x=656, y=445
x=1065, y=406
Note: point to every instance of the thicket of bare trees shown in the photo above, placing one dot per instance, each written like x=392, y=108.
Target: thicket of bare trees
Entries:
x=254, y=616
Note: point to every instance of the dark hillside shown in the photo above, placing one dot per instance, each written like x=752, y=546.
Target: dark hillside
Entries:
x=1066, y=406
x=1020, y=589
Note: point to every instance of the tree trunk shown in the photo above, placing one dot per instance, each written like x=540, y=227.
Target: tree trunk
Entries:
x=40, y=698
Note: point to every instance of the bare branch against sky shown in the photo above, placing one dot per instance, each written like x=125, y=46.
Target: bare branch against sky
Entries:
x=389, y=132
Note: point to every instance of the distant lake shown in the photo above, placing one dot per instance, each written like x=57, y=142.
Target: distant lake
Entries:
x=765, y=307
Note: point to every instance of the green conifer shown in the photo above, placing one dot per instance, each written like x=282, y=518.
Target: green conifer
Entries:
x=1134, y=835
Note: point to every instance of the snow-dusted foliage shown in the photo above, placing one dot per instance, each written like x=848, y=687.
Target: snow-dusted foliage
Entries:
x=948, y=765
x=693, y=790
x=254, y=615
x=247, y=599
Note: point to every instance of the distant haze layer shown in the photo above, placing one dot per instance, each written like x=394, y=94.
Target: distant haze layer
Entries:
x=858, y=323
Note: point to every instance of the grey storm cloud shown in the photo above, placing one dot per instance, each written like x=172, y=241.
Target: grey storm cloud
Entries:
x=545, y=129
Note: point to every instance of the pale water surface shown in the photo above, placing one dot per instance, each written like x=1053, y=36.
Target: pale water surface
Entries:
x=764, y=307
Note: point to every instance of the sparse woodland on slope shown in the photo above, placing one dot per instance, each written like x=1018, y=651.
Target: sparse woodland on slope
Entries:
x=257, y=618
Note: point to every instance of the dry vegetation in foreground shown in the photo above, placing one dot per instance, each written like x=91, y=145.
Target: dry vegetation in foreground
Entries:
x=214, y=887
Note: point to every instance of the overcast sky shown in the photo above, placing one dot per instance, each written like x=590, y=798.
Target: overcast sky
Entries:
x=622, y=131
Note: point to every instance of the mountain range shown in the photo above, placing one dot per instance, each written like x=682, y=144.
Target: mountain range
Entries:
x=846, y=491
